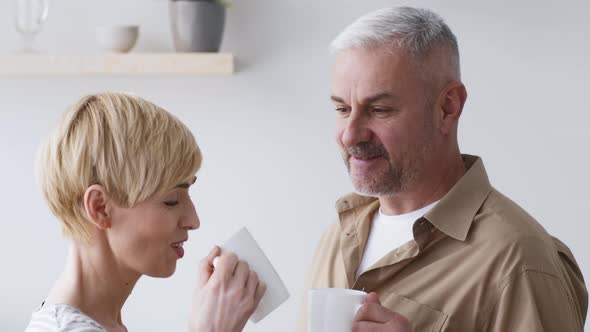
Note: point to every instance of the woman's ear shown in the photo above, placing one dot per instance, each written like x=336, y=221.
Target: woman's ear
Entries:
x=96, y=202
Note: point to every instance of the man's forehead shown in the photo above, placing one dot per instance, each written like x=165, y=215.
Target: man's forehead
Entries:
x=366, y=72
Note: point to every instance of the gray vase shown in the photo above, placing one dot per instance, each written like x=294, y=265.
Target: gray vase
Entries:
x=197, y=26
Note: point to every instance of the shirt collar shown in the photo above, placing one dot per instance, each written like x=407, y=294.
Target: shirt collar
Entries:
x=452, y=215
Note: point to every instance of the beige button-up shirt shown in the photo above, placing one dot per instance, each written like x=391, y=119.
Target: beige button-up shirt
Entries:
x=478, y=262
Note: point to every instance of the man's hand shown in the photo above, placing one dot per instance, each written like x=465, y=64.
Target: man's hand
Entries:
x=373, y=317
x=226, y=295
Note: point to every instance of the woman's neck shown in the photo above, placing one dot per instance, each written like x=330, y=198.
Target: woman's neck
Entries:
x=95, y=282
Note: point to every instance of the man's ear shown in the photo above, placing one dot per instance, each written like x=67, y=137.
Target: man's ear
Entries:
x=96, y=202
x=451, y=102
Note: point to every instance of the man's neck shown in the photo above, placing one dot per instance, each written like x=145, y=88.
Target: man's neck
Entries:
x=432, y=185
x=94, y=282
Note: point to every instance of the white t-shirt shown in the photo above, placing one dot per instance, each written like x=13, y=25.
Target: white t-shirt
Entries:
x=389, y=233
x=62, y=317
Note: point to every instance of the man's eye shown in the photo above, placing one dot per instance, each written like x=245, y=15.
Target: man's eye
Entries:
x=171, y=203
x=341, y=110
x=379, y=110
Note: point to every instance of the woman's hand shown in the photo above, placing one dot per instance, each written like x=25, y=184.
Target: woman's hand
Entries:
x=226, y=295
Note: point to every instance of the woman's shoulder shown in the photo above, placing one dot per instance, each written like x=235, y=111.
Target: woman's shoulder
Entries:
x=62, y=318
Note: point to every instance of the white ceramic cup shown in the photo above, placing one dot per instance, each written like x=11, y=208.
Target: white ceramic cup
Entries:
x=333, y=309
x=245, y=247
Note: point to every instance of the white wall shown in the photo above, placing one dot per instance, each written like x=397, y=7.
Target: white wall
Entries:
x=266, y=132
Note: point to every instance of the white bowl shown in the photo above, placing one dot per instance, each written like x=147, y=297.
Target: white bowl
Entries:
x=117, y=38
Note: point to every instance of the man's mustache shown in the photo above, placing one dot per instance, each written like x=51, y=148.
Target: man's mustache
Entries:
x=365, y=150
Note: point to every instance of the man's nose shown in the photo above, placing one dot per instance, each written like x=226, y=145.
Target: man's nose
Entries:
x=356, y=129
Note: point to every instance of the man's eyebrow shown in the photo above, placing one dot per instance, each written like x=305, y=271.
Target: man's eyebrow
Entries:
x=379, y=96
x=186, y=185
x=367, y=100
x=336, y=99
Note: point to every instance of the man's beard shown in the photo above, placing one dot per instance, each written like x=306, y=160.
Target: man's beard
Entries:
x=398, y=175
x=383, y=181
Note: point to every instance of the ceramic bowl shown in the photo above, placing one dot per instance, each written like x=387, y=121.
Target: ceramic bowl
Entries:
x=117, y=38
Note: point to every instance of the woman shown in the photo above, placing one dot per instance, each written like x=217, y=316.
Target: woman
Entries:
x=116, y=173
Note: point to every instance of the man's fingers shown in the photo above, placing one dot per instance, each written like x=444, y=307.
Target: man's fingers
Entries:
x=367, y=327
x=373, y=312
x=372, y=298
x=400, y=323
x=375, y=317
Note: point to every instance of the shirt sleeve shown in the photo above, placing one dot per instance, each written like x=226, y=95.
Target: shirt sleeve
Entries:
x=533, y=300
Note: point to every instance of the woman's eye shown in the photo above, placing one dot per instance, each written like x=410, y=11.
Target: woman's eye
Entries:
x=171, y=203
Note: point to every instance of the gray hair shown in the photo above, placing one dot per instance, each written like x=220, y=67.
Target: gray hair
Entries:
x=414, y=29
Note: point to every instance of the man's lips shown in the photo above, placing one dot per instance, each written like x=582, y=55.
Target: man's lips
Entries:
x=363, y=163
x=365, y=158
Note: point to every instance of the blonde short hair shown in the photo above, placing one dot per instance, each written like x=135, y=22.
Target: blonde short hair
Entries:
x=131, y=147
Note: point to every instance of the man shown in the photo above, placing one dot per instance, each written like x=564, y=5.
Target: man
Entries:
x=441, y=248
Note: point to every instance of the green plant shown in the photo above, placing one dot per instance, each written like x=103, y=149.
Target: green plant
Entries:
x=224, y=3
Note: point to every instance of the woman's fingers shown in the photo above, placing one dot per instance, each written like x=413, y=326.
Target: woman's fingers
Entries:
x=206, y=266
x=252, y=284
x=238, y=274
x=226, y=266
x=229, y=294
x=216, y=251
x=241, y=274
x=260, y=290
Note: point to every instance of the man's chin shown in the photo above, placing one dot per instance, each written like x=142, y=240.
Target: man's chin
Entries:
x=372, y=187
x=365, y=188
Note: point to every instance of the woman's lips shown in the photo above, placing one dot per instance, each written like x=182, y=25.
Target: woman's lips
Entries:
x=179, y=252
x=178, y=248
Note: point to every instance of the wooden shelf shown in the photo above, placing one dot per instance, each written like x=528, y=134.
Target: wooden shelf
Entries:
x=114, y=64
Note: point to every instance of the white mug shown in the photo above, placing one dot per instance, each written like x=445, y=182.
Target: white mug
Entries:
x=245, y=247
x=333, y=309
